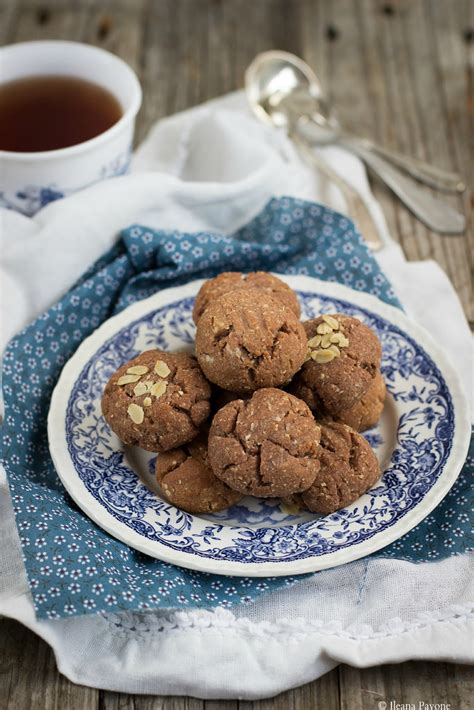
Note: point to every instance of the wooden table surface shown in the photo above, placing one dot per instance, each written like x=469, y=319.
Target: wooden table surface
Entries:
x=398, y=71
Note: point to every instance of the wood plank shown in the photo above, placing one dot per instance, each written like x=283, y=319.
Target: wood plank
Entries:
x=221, y=705
x=191, y=24
x=397, y=124
x=159, y=54
x=316, y=38
x=406, y=56
x=431, y=131
x=117, y=26
x=209, y=45
x=371, y=73
x=349, y=91
x=455, y=61
x=221, y=27
x=122, y=701
x=367, y=27
x=407, y=683
x=29, y=679
x=53, y=19
x=260, y=26
x=8, y=19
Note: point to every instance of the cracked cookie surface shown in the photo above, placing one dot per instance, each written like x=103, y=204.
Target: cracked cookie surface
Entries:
x=157, y=401
x=228, y=281
x=338, y=384
x=186, y=480
x=247, y=340
x=265, y=446
x=366, y=412
x=348, y=469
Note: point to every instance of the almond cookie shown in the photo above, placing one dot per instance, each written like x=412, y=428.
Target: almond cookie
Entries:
x=349, y=468
x=247, y=340
x=342, y=361
x=265, y=446
x=234, y=280
x=158, y=400
x=186, y=479
x=366, y=412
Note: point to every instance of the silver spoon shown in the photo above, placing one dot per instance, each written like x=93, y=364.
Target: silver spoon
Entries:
x=356, y=206
x=323, y=127
x=281, y=88
x=297, y=83
x=274, y=112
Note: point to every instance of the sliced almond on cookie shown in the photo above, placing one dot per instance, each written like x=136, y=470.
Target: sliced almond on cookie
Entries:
x=162, y=369
x=331, y=321
x=339, y=339
x=323, y=329
x=315, y=341
x=139, y=389
x=136, y=413
x=159, y=389
x=323, y=356
x=127, y=379
x=137, y=370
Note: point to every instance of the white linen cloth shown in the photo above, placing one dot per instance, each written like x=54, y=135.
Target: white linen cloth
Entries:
x=214, y=167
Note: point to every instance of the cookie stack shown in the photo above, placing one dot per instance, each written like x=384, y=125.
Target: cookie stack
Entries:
x=288, y=399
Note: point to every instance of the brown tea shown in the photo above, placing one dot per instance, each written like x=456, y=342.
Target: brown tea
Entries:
x=50, y=112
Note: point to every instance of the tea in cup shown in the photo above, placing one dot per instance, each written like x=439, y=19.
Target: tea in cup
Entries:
x=67, y=118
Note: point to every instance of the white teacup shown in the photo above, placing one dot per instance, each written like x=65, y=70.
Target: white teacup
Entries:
x=29, y=181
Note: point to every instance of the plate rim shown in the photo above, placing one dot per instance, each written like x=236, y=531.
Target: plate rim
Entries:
x=56, y=427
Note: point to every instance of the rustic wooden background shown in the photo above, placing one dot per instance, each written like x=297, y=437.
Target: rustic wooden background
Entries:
x=400, y=71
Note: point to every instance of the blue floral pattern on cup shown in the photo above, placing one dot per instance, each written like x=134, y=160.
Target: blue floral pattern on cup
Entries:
x=32, y=198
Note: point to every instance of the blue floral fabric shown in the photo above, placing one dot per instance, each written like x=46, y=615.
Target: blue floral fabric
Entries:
x=73, y=566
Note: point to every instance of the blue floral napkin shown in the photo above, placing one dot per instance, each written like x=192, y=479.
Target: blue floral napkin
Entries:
x=73, y=566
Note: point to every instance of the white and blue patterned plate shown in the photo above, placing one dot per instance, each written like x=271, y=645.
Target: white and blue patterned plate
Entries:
x=421, y=443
